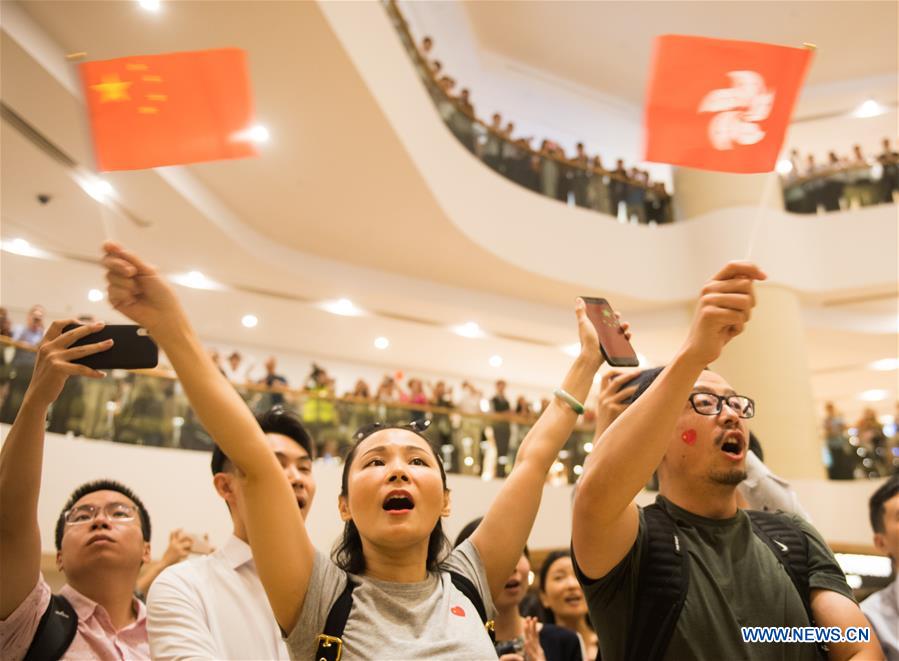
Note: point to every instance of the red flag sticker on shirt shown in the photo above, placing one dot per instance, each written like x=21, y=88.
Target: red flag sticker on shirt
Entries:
x=721, y=105
x=457, y=610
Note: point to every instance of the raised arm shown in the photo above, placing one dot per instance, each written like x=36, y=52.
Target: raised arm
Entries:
x=504, y=531
x=22, y=457
x=281, y=546
x=605, y=517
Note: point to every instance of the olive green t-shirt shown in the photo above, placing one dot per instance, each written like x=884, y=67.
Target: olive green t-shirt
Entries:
x=735, y=581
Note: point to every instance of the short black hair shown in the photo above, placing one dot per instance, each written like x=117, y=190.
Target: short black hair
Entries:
x=277, y=420
x=877, y=504
x=642, y=380
x=102, y=485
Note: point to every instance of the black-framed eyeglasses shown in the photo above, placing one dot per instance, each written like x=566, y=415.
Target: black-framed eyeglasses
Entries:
x=708, y=403
x=119, y=512
x=417, y=426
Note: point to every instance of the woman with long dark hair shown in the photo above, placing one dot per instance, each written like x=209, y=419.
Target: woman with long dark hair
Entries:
x=563, y=602
x=391, y=589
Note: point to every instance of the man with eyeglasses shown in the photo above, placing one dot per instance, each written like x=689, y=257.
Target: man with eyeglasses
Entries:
x=102, y=536
x=681, y=578
x=214, y=606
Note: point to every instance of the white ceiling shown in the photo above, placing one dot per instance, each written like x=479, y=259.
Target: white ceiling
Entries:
x=320, y=212
x=607, y=45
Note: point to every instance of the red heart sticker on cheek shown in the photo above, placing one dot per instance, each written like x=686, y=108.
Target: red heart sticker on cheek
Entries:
x=457, y=610
x=689, y=437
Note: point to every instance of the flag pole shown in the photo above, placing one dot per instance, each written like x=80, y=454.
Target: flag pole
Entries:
x=766, y=192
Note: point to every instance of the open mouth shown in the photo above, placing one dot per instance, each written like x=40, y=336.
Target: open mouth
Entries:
x=733, y=445
x=573, y=599
x=301, y=503
x=398, y=502
x=512, y=585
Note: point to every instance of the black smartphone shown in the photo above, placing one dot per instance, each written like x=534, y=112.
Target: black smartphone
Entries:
x=615, y=347
x=132, y=348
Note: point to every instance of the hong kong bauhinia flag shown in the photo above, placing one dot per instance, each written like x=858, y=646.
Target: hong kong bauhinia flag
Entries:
x=721, y=105
x=176, y=108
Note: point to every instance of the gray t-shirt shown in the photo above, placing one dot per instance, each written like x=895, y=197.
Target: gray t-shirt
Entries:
x=430, y=619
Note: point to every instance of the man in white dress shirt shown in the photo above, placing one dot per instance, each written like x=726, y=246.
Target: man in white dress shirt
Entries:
x=214, y=607
x=882, y=608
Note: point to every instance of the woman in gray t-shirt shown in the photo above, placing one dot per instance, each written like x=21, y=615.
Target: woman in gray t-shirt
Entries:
x=392, y=499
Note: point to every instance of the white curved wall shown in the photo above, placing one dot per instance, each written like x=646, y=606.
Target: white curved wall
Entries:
x=856, y=249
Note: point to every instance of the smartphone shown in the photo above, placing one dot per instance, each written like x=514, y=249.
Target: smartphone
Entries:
x=132, y=348
x=615, y=347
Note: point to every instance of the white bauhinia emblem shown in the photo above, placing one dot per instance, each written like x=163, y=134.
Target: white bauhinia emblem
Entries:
x=739, y=109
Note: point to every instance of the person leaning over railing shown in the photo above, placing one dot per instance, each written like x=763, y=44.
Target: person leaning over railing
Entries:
x=410, y=600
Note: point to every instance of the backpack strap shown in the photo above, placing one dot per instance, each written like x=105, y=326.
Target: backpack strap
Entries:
x=662, y=585
x=55, y=631
x=466, y=587
x=790, y=546
x=330, y=641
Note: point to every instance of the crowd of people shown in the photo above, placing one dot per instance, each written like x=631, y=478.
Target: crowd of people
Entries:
x=866, y=448
x=841, y=182
x=577, y=179
x=686, y=577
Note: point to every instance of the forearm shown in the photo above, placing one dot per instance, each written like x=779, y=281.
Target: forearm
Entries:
x=221, y=410
x=20, y=468
x=548, y=435
x=151, y=571
x=633, y=446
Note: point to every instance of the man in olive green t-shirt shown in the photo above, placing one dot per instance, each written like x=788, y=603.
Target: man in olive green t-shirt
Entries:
x=691, y=426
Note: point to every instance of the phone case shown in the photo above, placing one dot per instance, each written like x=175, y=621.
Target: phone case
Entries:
x=624, y=361
x=132, y=348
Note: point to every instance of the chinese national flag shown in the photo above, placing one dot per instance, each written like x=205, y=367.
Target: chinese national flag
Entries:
x=721, y=105
x=155, y=110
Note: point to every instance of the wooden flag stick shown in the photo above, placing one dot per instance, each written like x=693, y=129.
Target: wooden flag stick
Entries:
x=760, y=213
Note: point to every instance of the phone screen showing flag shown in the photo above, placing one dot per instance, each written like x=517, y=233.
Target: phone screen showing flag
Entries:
x=611, y=336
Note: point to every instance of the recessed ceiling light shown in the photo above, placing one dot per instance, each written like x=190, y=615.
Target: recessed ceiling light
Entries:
x=249, y=321
x=869, y=108
x=94, y=295
x=496, y=361
x=784, y=166
x=885, y=365
x=342, y=306
x=149, y=5
x=469, y=329
x=99, y=189
x=572, y=350
x=259, y=134
x=875, y=395
x=195, y=280
x=22, y=247
x=381, y=343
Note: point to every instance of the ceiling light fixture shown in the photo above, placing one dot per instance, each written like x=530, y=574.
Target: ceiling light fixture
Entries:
x=496, y=361
x=875, y=395
x=342, y=306
x=195, y=280
x=869, y=108
x=150, y=5
x=784, y=166
x=99, y=189
x=885, y=364
x=249, y=321
x=95, y=295
x=381, y=343
x=23, y=248
x=469, y=329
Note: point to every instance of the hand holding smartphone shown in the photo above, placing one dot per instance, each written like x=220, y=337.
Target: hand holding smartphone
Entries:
x=615, y=347
x=132, y=348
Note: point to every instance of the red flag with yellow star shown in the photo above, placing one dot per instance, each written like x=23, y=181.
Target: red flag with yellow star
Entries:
x=171, y=109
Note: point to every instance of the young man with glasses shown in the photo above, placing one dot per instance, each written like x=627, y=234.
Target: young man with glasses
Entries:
x=214, y=606
x=681, y=578
x=102, y=536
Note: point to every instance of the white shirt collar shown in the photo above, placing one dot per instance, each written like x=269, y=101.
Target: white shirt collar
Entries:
x=236, y=552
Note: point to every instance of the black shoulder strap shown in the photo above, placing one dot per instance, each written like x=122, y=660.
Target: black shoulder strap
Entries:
x=330, y=641
x=662, y=585
x=54, y=632
x=790, y=546
x=466, y=587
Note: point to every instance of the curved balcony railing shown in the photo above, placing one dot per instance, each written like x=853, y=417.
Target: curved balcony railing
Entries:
x=579, y=182
x=842, y=187
x=148, y=407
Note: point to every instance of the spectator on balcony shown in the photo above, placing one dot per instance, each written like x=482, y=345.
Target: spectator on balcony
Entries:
x=273, y=380
x=860, y=189
x=493, y=143
x=436, y=68
x=889, y=181
x=598, y=197
x=464, y=121
x=427, y=45
x=235, y=370
x=510, y=153
x=5, y=323
x=22, y=362
x=388, y=391
x=502, y=431
x=833, y=185
x=618, y=187
x=549, y=170
x=361, y=390
x=635, y=198
x=442, y=427
x=813, y=185
x=580, y=178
